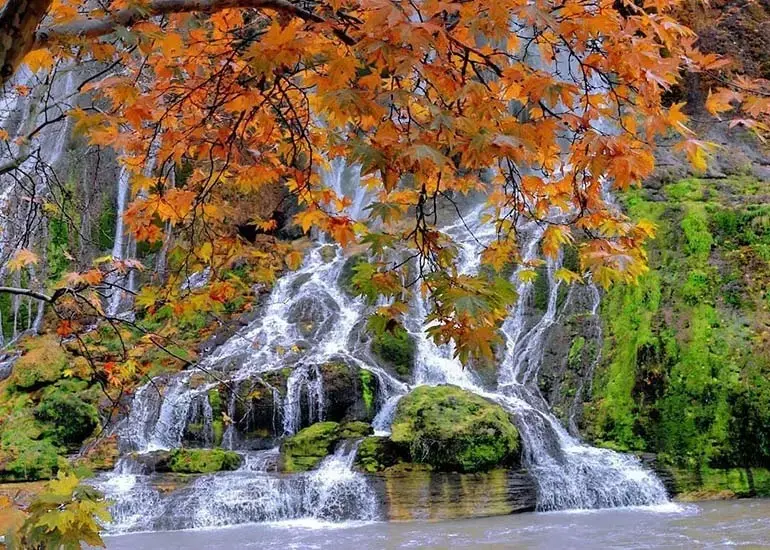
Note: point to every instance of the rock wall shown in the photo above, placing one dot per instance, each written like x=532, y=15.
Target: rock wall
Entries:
x=419, y=494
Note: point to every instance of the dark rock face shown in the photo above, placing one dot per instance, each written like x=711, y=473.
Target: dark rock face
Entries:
x=414, y=493
x=258, y=406
x=349, y=392
x=571, y=352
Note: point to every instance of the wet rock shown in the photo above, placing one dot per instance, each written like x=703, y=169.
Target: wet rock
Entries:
x=412, y=492
x=376, y=454
x=453, y=429
x=307, y=448
x=349, y=392
x=314, y=315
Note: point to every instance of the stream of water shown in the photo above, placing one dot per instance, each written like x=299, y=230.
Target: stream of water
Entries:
x=707, y=525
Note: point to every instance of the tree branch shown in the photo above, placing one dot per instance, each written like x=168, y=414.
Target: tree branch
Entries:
x=27, y=292
x=90, y=28
x=18, y=21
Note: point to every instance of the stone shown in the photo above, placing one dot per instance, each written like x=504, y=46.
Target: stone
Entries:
x=453, y=429
x=413, y=492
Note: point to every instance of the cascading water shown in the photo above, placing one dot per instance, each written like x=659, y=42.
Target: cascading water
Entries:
x=308, y=320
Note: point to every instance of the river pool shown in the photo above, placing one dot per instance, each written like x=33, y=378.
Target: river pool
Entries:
x=718, y=524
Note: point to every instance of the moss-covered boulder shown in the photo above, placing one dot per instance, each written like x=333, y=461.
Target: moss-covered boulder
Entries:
x=307, y=448
x=42, y=362
x=455, y=430
x=202, y=461
x=376, y=454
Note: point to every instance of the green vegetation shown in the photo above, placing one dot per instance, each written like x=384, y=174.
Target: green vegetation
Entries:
x=685, y=358
x=706, y=483
x=46, y=411
x=307, y=448
x=65, y=516
x=379, y=453
x=392, y=343
x=453, y=429
x=202, y=461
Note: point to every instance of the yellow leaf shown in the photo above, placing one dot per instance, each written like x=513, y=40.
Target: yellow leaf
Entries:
x=294, y=260
x=567, y=276
x=527, y=275
x=22, y=259
x=39, y=59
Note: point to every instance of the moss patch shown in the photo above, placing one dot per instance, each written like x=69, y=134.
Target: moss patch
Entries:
x=453, y=429
x=307, y=448
x=392, y=343
x=42, y=362
x=686, y=354
x=203, y=461
x=376, y=454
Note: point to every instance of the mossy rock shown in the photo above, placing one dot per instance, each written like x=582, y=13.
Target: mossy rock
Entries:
x=203, y=461
x=69, y=419
x=42, y=363
x=307, y=448
x=395, y=347
x=455, y=430
x=376, y=454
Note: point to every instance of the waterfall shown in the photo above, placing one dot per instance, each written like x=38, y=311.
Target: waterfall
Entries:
x=308, y=320
x=31, y=163
x=333, y=492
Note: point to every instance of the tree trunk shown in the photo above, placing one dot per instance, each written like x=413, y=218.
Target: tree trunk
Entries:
x=18, y=21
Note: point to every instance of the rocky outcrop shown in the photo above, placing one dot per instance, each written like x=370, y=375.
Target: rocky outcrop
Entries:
x=306, y=449
x=452, y=429
x=416, y=493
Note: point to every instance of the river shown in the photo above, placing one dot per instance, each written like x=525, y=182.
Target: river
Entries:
x=716, y=524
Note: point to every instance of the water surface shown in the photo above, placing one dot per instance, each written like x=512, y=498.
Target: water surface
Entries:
x=720, y=524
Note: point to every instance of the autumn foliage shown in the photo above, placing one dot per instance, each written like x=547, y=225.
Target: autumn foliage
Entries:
x=543, y=107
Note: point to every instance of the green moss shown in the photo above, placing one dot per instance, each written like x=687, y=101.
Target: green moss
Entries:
x=454, y=429
x=70, y=419
x=203, y=461
x=215, y=401
x=379, y=453
x=307, y=448
x=367, y=390
x=540, y=289
x=682, y=365
x=392, y=343
x=696, y=231
x=576, y=351
x=697, y=287
x=42, y=362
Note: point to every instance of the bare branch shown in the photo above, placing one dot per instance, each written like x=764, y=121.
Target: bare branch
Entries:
x=90, y=27
x=27, y=292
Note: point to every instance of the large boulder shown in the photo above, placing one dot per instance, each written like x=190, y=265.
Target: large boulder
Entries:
x=453, y=429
